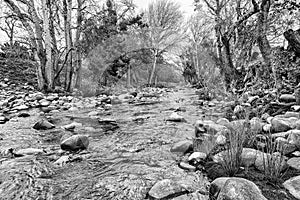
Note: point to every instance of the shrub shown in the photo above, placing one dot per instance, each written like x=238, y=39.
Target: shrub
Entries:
x=232, y=158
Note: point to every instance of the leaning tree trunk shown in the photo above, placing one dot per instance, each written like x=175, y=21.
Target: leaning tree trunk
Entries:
x=293, y=37
x=153, y=67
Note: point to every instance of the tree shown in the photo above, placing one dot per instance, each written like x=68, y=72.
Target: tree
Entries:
x=164, y=31
x=41, y=21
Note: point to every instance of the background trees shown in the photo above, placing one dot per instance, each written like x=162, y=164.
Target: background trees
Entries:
x=108, y=40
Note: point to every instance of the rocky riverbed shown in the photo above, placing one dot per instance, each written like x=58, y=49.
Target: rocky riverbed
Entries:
x=136, y=145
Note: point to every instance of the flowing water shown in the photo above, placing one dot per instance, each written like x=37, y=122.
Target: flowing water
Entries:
x=121, y=162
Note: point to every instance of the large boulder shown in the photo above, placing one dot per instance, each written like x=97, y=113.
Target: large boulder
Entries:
x=165, y=189
x=75, y=142
x=240, y=189
x=281, y=124
x=292, y=185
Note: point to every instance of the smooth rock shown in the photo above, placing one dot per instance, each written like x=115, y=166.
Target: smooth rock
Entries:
x=248, y=156
x=197, y=156
x=72, y=126
x=45, y=103
x=240, y=189
x=43, y=125
x=165, y=189
x=287, y=98
x=292, y=185
x=182, y=146
x=294, y=163
x=280, y=125
x=29, y=151
x=186, y=166
x=174, y=117
x=75, y=142
x=274, y=161
x=62, y=160
x=294, y=137
x=23, y=114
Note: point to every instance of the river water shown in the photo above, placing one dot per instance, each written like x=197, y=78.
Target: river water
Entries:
x=123, y=162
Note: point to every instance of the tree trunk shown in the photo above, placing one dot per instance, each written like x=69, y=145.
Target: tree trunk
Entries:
x=35, y=40
x=48, y=45
x=67, y=9
x=230, y=72
x=129, y=76
x=78, y=54
x=262, y=26
x=153, y=67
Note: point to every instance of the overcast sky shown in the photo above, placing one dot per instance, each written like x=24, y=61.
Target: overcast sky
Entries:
x=186, y=5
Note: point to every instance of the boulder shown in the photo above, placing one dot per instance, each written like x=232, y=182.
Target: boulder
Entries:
x=23, y=114
x=182, y=146
x=192, y=196
x=294, y=138
x=197, y=156
x=287, y=98
x=75, y=142
x=292, y=185
x=240, y=189
x=294, y=163
x=280, y=124
x=248, y=157
x=273, y=161
x=165, y=189
x=72, y=126
x=43, y=125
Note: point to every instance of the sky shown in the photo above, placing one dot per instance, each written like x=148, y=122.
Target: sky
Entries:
x=185, y=5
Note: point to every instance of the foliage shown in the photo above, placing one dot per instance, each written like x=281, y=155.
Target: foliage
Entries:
x=16, y=51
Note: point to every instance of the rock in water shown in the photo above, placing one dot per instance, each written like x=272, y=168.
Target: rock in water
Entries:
x=75, y=142
x=24, y=114
x=43, y=125
x=287, y=98
x=166, y=189
x=182, y=146
x=240, y=189
x=174, y=117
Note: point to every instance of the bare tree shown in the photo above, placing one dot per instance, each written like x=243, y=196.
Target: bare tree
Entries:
x=164, y=33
